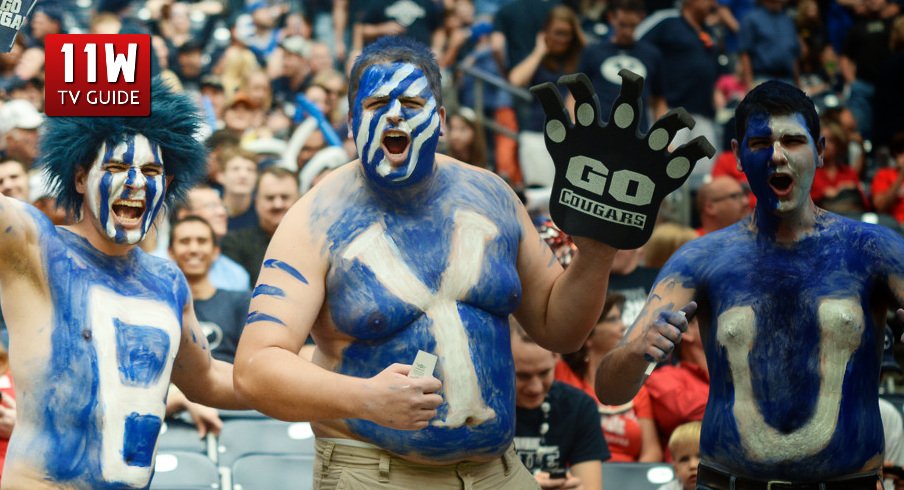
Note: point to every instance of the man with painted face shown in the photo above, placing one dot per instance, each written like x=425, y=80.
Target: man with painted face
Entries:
x=792, y=306
x=97, y=327
x=401, y=251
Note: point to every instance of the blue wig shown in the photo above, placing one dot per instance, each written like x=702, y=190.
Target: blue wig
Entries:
x=72, y=142
x=390, y=49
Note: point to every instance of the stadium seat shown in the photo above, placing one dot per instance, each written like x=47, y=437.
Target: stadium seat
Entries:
x=273, y=472
x=636, y=476
x=176, y=435
x=241, y=437
x=179, y=470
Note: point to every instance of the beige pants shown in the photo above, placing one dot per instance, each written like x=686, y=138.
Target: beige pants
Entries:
x=341, y=467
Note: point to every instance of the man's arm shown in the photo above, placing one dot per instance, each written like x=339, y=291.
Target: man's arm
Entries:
x=202, y=378
x=652, y=337
x=274, y=379
x=558, y=308
x=590, y=474
x=17, y=230
x=340, y=21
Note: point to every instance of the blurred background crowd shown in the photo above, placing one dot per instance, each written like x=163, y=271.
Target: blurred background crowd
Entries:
x=270, y=78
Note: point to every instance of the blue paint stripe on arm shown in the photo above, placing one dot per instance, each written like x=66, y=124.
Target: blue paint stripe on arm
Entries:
x=268, y=290
x=278, y=264
x=256, y=316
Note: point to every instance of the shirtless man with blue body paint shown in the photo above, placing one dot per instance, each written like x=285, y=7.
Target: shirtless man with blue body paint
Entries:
x=401, y=251
x=792, y=306
x=98, y=328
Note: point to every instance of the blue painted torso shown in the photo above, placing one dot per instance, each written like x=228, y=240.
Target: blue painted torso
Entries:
x=115, y=333
x=787, y=288
x=417, y=293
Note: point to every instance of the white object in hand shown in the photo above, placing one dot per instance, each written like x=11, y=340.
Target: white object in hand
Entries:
x=652, y=365
x=423, y=365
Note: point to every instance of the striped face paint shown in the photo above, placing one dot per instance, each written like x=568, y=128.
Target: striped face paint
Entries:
x=126, y=185
x=396, y=124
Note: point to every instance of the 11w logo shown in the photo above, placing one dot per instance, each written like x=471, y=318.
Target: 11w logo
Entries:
x=98, y=75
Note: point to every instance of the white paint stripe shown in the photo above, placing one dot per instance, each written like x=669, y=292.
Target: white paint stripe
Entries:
x=841, y=327
x=415, y=150
x=375, y=249
x=394, y=82
x=463, y=270
x=117, y=400
x=416, y=87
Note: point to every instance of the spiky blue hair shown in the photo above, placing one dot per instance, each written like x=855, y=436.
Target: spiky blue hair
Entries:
x=72, y=142
x=397, y=48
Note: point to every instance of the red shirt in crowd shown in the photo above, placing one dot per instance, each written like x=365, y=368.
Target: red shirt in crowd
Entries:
x=882, y=181
x=678, y=395
x=845, y=178
x=620, y=425
x=7, y=390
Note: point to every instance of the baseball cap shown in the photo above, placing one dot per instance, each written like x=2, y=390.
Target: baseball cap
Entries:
x=241, y=98
x=20, y=114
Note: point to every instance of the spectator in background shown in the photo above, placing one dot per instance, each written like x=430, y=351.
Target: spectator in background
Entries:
x=418, y=19
x=46, y=19
x=886, y=188
x=218, y=143
x=238, y=174
x=685, y=446
x=205, y=202
x=629, y=429
x=866, y=48
x=31, y=90
x=515, y=29
x=630, y=278
x=890, y=90
x=242, y=116
x=19, y=123
x=557, y=51
x=213, y=101
x=818, y=61
x=836, y=186
x=296, y=70
x=190, y=66
x=221, y=313
x=769, y=47
x=720, y=202
x=14, y=179
x=556, y=425
x=234, y=67
x=689, y=56
x=9, y=63
x=602, y=62
x=256, y=85
x=262, y=35
x=276, y=191
x=465, y=139
x=665, y=240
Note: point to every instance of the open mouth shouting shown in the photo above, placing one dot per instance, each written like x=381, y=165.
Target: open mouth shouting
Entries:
x=782, y=184
x=395, y=146
x=128, y=212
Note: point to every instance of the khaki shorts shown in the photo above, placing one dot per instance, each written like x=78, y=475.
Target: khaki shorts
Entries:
x=341, y=466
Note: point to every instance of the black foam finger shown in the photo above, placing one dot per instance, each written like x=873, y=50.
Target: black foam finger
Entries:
x=627, y=109
x=586, y=103
x=551, y=101
x=663, y=130
x=683, y=159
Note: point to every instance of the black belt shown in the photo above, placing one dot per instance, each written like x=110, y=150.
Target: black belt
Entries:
x=720, y=480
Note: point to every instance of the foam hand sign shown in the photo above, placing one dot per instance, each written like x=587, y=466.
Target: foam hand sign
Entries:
x=13, y=14
x=610, y=179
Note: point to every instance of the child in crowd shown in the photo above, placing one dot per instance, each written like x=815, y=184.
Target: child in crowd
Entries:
x=685, y=448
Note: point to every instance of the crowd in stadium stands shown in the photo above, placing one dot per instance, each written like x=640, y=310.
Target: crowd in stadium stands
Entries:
x=270, y=78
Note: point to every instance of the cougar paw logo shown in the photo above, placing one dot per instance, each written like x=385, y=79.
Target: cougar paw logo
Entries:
x=611, y=178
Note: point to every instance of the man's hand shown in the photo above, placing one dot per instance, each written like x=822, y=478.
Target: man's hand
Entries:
x=610, y=179
x=394, y=400
x=570, y=482
x=659, y=338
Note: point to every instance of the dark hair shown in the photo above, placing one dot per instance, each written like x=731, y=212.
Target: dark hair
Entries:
x=278, y=172
x=897, y=144
x=70, y=143
x=628, y=6
x=391, y=49
x=577, y=361
x=776, y=98
x=192, y=218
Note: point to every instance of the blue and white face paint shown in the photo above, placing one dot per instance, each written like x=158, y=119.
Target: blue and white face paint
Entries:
x=780, y=158
x=126, y=186
x=396, y=124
